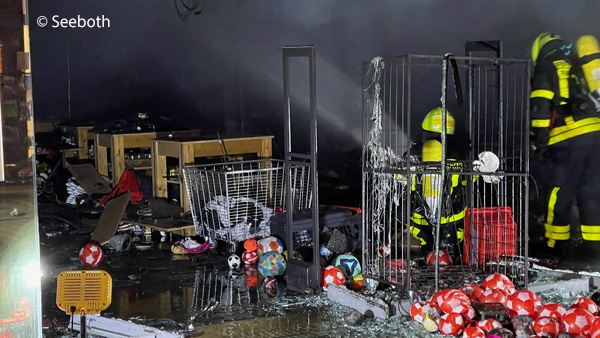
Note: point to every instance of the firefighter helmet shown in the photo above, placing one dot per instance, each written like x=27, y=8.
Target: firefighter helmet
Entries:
x=540, y=42
x=433, y=121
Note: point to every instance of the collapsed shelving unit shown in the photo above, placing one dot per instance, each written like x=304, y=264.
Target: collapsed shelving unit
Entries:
x=397, y=93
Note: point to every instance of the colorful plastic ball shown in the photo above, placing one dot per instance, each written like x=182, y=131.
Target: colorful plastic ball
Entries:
x=552, y=310
x=250, y=244
x=251, y=276
x=444, y=258
x=493, y=296
x=577, y=322
x=439, y=296
x=271, y=264
x=348, y=264
x=453, y=299
x=472, y=291
x=249, y=257
x=473, y=332
x=357, y=283
x=384, y=251
x=452, y=324
x=546, y=326
x=267, y=244
x=499, y=281
x=332, y=275
x=234, y=261
x=91, y=255
x=295, y=255
x=395, y=266
x=488, y=325
x=524, y=302
x=325, y=251
x=586, y=304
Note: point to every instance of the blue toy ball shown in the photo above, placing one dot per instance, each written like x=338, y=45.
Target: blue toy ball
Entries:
x=271, y=263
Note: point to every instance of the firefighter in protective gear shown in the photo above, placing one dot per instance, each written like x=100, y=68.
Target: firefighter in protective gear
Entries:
x=564, y=125
x=426, y=191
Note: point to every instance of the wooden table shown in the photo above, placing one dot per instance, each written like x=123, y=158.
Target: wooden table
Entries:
x=117, y=143
x=187, y=150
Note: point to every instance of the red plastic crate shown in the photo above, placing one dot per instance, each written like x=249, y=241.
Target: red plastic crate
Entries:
x=493, y=233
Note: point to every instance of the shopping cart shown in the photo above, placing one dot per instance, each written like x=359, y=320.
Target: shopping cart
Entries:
x=234, y=201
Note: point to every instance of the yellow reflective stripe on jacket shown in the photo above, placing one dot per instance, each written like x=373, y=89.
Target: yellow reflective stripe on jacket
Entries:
x=421, y=220
x=540, y=123
x=590, y=237
x=558, y=134
x=594, y=229
x=543, y=93
x=551, y=204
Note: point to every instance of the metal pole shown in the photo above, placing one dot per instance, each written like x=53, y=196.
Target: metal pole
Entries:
x=438, y=216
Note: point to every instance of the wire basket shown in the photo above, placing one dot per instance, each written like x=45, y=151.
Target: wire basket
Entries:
x=234, y=201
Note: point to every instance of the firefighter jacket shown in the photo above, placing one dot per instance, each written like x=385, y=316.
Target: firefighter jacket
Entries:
x=560, y=107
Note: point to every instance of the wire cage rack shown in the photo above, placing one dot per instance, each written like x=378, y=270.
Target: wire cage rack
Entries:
x=234, y=201
x=488, y=98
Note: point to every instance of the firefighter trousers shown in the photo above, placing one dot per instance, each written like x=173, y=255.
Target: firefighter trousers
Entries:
x=575, y=175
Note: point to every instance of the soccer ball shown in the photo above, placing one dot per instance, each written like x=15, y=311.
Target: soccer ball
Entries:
x=91, y=255
x=384, y=250
x=523, y=302
x=586, y=304
x=546, y=326
x=473, y=332
x=250, y=257
x=271, y=264
x=332, y=275
x=234, y=261
x=251, y=276
x=452, y=324
x=439, y=296
x=472, y=291
x=552, y=310
x=452, y=300
x=577, y=321
x=595, y=328
x=488, y=325
x=444, y=259
x=467, y=311
x=499, y=281
x=419, y=310
x=493, y=296
x=397, y=266
x=269, y=244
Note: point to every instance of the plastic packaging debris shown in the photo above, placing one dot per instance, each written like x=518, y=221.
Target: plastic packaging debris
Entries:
x=120, y=242
x=53, y=234
x=189, y=245
x=15, y=212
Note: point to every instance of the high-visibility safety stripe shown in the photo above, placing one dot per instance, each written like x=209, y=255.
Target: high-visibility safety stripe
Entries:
x=415, y=232
x=543, y=93
x=557, y=229
x=557, y=237
x=419, y=219
x=540, y=123
x=592, y=229
x=591, y=124
x=590, y=237
x=551, y=204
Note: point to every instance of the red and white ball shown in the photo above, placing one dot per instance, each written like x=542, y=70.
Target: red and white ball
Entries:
x=552, y=310
x=91, y=255
x=586, y=304
x=595, y=328
x=332, y=275
x=269, y=244
x=577, y=322
x=419, y=310
x=473, y=332
x=488, y=325
x=249, y=257
x=452, y=324
x=444, y=258
x=546, y=327
x=493, y=296
x=384, y=250
x=453, y=299
x=467, y=311
x=499, y=281
x=523, y=302
x=472, y=291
